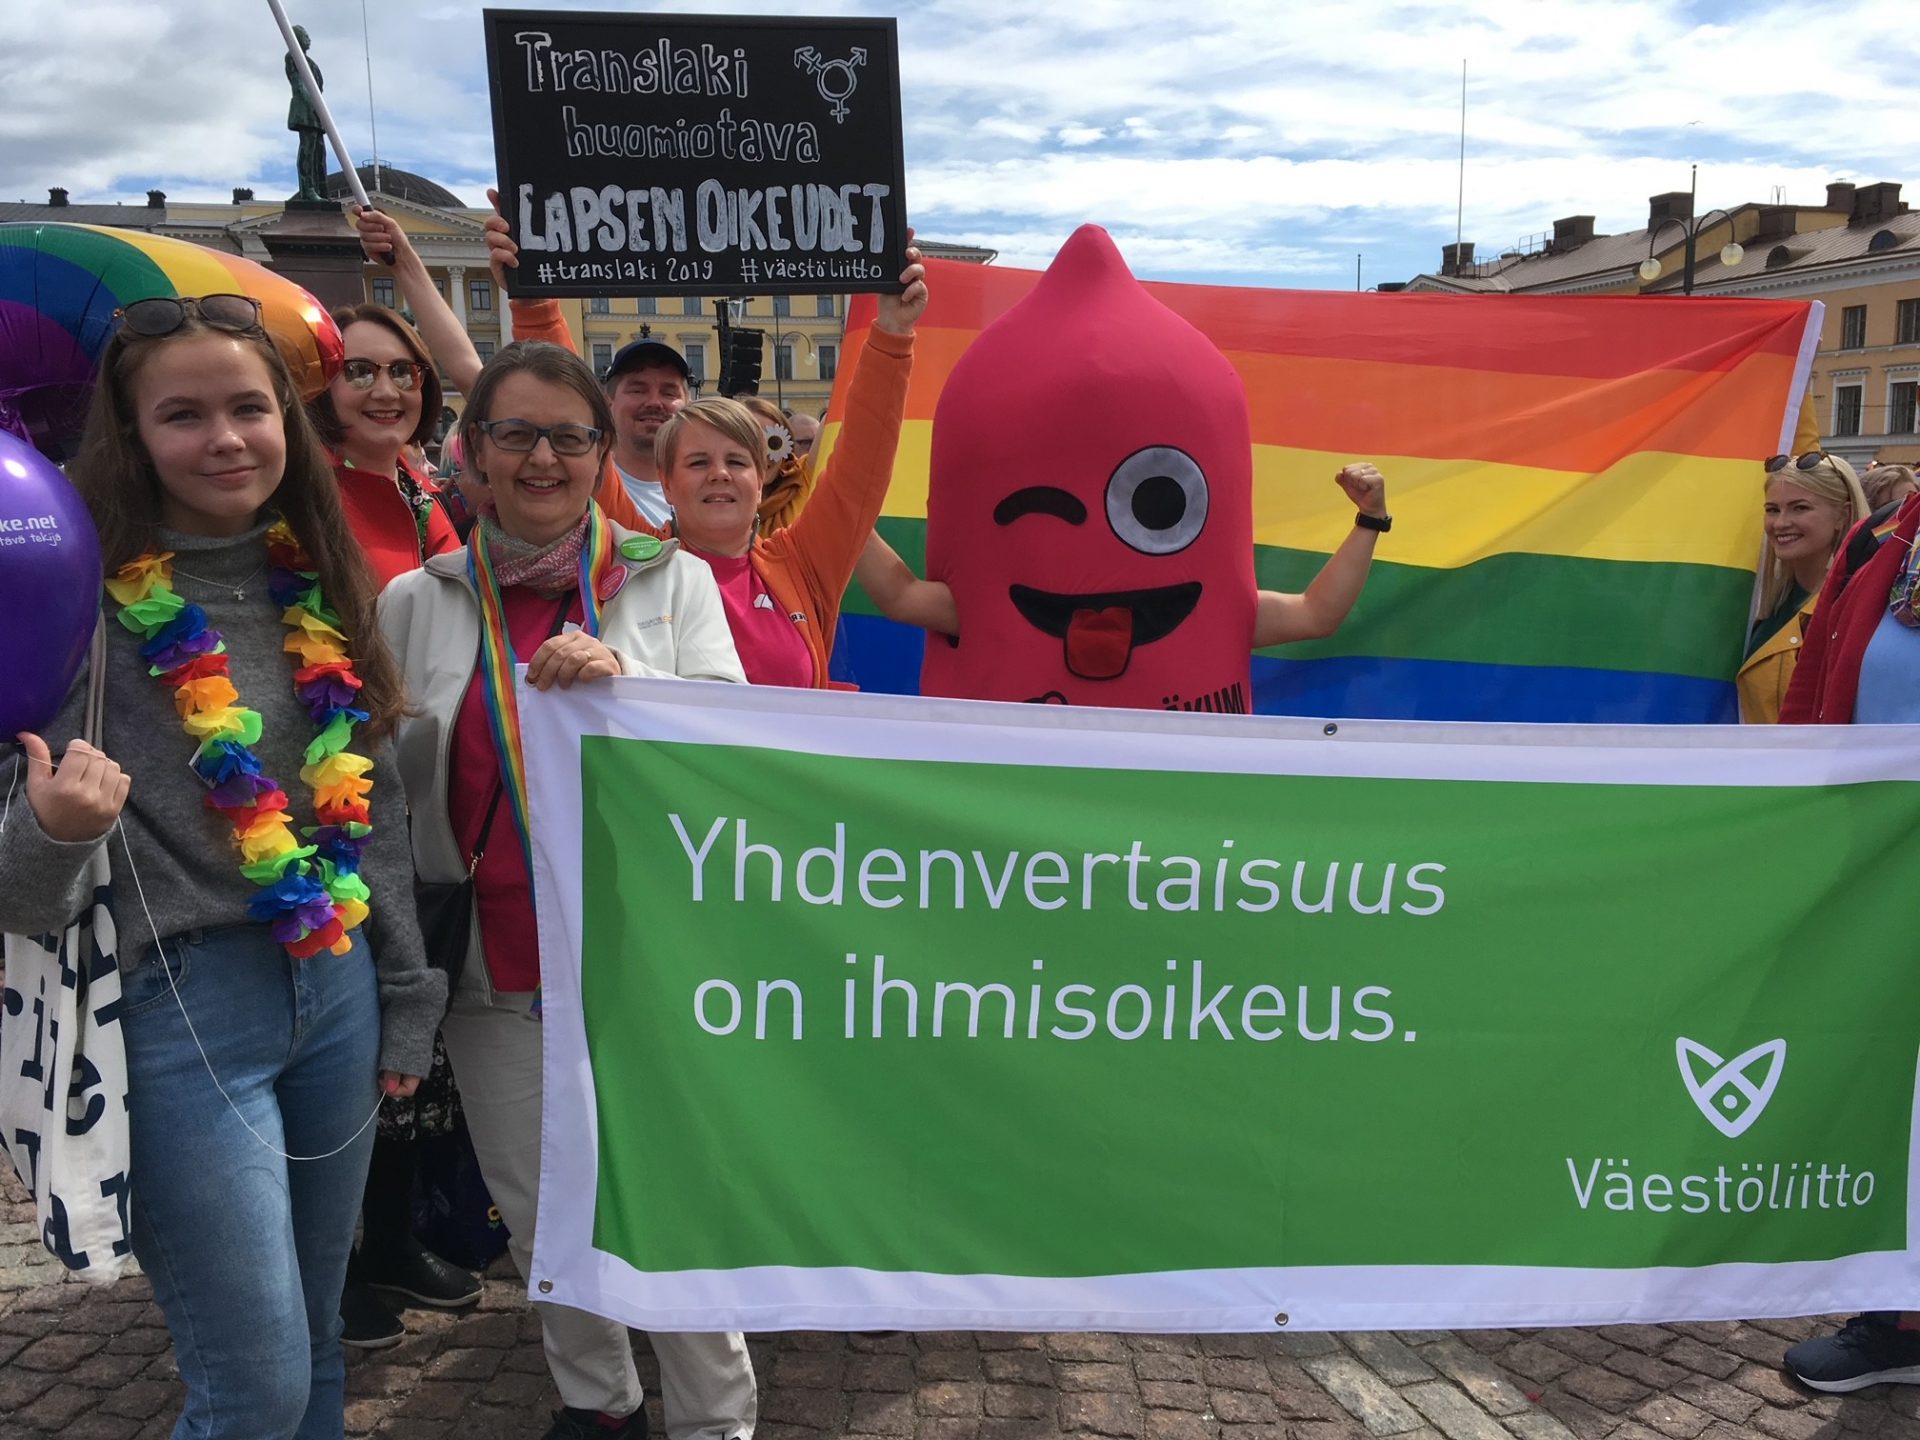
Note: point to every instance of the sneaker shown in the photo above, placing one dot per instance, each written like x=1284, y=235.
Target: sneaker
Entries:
x=572, y=1424
x=1870, y=1350
x=366, y=1323
x=422, y=1277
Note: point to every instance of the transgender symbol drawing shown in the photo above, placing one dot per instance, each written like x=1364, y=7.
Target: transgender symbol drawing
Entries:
x=1726, y=1094
x=835, y=78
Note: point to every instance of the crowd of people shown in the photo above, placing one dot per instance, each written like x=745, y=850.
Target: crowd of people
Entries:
x=255, y=541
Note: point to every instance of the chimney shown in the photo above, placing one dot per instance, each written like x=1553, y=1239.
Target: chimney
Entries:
x=57, y=195
x=1776, y=222
x=1874, y=203
x=156, y=199
x=1840, y=196
x=1456, y=258
x=1572, y=232
x=242, y=196
x=1674, y=205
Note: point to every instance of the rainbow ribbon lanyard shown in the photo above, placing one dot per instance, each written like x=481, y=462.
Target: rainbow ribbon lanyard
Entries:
x=497, y=657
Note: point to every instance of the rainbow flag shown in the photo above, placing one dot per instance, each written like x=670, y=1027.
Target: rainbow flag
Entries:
x=1574, y=484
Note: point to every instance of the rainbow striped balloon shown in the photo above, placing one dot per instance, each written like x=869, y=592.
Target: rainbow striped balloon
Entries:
x=1574, y=483
x=59, y=287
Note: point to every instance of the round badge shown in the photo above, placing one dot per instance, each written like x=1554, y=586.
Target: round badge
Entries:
x=640, y=547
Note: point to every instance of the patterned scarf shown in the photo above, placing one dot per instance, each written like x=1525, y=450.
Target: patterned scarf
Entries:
x=549, y=568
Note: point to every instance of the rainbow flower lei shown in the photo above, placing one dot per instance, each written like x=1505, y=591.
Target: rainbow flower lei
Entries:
x=311, y=894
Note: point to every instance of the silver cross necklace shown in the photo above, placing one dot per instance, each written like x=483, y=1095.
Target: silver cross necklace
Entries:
x=239, y=592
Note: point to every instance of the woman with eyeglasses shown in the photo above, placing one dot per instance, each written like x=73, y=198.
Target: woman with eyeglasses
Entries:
x=1811, y=502
x=261, y=821
x=548, y=580
x=386, y=396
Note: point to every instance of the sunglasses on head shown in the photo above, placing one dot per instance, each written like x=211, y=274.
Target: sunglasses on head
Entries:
x=164, y=314
x=360, y=374
x=520, y=436
x=1809, y=461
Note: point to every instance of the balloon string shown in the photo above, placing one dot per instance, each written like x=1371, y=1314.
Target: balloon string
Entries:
x=6, y=812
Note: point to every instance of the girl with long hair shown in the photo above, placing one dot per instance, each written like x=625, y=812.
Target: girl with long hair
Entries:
x=245, y=766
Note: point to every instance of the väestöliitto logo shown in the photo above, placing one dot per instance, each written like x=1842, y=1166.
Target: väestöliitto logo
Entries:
x=1724, y=1090
x=1732, y=1094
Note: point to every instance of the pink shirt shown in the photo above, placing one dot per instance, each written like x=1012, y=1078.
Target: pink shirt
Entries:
x=772, y=651
x=503, y=891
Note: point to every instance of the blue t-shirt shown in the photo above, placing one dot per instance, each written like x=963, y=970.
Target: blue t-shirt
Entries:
x=1889, y=676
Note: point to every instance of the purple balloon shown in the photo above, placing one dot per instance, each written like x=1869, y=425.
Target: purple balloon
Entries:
x=49, y=587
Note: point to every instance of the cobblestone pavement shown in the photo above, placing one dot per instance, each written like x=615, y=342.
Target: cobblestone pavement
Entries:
x=94, y=1364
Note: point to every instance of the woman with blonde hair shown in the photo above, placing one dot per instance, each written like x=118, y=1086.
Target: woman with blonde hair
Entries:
x=1887, y=485
x=1812, y=502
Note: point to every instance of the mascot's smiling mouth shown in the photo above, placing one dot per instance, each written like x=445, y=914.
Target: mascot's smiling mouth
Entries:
x=1100, y=630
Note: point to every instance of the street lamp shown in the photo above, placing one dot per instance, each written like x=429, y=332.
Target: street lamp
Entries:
x=1730, y=254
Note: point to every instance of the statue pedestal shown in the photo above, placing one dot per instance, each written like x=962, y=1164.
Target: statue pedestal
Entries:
x=313, y=245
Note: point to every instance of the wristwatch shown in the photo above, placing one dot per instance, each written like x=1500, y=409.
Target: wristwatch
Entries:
x=1382, y=523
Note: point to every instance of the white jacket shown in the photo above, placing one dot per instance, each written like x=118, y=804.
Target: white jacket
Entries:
x=665, y=620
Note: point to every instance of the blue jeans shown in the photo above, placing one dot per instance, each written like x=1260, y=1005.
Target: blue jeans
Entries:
x=247, y=1251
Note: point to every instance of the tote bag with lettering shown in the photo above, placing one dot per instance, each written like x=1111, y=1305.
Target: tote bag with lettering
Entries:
x=63, y=1070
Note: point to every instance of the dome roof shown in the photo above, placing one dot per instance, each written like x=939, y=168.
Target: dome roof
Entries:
x=401, y=184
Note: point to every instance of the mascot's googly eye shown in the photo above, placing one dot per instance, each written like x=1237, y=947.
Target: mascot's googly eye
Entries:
x=779, y=444
x=1157, y=500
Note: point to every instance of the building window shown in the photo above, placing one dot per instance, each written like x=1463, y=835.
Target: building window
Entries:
x=1853, y=327
x=1908, y=326
x=824, y=307
x=1901, y=407
x=829, y=360
x=383, y=291
x=690, y=305
x=598, y=306
x=696, y=352
x=783, y=362
x=645, y=305
x=1846, y=409
x=484, y=349
x=782, y=306
x=602, y=356
x=480, y=295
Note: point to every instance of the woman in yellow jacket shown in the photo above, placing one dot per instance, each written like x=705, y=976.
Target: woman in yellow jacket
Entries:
x=1812, y=502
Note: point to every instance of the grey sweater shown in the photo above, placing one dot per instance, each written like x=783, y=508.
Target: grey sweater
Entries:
x=184, y=853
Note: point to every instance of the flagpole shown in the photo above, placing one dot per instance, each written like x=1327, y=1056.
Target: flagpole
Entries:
x=319, y=104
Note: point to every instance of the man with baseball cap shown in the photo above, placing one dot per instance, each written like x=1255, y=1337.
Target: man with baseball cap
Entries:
x=647, y=381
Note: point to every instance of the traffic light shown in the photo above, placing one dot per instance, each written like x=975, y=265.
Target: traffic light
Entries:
x=740, y=362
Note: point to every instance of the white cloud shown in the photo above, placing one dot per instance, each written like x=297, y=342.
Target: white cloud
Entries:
x=1257, y=143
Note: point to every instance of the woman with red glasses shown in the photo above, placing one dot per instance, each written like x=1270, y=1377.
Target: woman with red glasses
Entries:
x=385, y=397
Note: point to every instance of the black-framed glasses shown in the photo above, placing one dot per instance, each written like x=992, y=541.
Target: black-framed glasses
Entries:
x=360, y=374
x=520, y=436
x=163, y=314
x=1813, y=459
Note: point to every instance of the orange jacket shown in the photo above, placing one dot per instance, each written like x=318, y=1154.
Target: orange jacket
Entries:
x=807, y=565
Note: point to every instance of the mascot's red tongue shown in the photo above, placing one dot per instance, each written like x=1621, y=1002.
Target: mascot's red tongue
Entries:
x=1099, y=642
x=1089, y=500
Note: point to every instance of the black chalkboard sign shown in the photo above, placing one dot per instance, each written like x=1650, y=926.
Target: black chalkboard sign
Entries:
x=698, y=154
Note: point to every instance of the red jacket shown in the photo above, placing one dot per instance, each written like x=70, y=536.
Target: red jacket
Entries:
x=387, y=527
x=1827, y=680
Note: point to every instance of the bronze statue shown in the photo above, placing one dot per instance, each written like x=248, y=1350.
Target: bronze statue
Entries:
x=303, y=118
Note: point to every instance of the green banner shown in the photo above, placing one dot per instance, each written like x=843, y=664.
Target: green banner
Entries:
x=1009, y=1012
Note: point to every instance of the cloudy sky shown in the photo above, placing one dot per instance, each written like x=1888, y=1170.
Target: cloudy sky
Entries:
x=1256, y=144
